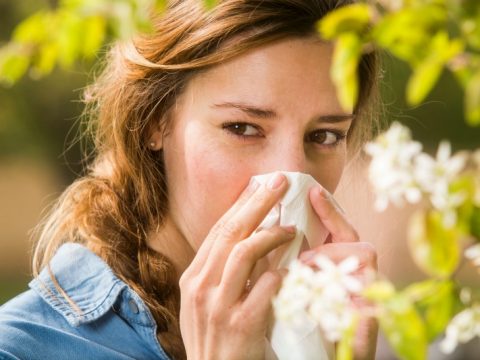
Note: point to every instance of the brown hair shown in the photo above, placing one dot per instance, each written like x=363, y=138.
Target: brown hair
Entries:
x=123, y=195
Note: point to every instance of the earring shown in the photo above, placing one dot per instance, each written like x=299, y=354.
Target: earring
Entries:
x=153, y=144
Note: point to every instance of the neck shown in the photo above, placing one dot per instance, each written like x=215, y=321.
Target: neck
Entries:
x=170, y=242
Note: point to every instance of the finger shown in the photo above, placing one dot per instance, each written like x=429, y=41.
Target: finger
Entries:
x=241, y=224
x=258, y=302
x=364, y=251
x=249, y=216
x=205, y=247
x=245, y=254
x=332, y=216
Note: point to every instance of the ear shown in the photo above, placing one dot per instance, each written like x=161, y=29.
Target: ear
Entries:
x=155, y=139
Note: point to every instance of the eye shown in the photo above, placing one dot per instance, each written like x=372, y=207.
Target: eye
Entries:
x=242, y=129
x=326, y=137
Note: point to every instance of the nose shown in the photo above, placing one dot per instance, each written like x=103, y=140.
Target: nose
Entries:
x=289, y=155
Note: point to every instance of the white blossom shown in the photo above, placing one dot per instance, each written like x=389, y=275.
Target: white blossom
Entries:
x=473, y=253
x=465, y=295
x=333, y=275
x=399, y=171
x=461, y=329
x=332, y=286
x=295, y=294
x=323, y=296
x=391, y=170
x=435, y=176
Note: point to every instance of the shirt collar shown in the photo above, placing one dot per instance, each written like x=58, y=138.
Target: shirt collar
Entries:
x=85, y=278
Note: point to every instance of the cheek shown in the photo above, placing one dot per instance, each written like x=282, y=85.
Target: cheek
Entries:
x=205, y=182
x=219, y=181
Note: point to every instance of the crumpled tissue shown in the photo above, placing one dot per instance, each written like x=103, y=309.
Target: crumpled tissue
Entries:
x=305, y=342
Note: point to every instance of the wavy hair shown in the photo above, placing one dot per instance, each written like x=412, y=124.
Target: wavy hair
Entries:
x=123, y=195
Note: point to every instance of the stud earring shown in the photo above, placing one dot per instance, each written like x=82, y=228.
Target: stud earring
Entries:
x=153, y=144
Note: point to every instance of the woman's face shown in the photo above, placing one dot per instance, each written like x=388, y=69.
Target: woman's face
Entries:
x=273, y=108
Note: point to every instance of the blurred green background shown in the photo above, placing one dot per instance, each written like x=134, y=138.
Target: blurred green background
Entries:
x=39, y=156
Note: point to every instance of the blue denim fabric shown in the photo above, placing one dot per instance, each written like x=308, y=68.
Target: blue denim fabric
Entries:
x=111, y=321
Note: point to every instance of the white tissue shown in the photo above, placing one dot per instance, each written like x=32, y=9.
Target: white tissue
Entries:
x=306, y=342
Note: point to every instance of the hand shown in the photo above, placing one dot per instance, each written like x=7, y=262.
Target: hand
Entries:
x=219, y=319
x=343, y=242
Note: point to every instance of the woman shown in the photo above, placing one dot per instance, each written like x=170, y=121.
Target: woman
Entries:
x=149, y=253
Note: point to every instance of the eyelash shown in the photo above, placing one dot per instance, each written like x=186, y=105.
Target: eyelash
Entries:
x=229, y=127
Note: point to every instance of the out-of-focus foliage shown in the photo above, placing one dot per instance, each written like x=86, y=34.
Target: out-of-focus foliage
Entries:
x=434, y=247
x=74, y=30
x=442, y=235
x=429, y=35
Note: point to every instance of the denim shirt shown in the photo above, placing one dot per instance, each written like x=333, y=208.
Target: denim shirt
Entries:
x=111, y=321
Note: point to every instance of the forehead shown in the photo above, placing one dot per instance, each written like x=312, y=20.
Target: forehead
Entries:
x=286, y=75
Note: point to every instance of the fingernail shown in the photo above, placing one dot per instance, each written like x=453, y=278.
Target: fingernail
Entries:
x=327, y=196
x=292, y=229
x=324, y=193
x=337, y=205
x=276, y=182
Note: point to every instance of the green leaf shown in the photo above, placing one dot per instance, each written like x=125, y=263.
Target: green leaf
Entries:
x=423, y=80
x=346, y=56
x=419, y=290
x=404, y=328
x=475, y=223
x=69, y=39
x=379, y=291
x=408, y=33
x=435, y=300
x=438, y=309
x=94, y=34
x=428, y=71
x=45, y=61
x=14, y=63
x=352, y=18
x=434, y=248
x=33, y=29
x=210, y=4
x=160, y=6
x=464, y=183
x=472, y=100
x=344, y=350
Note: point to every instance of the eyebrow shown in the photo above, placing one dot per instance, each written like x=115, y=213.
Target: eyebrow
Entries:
x=249, y=109
x=265, y=113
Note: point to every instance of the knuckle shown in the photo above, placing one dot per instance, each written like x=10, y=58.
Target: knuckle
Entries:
x=217, y=228
x=216, y=317
x=183, y=281
x=273, y=278
x=226, y=228
x=198, y=297
x=275, y=231
x=195, y=291
x=243, y=251
x=231, y=229
x=187, y=280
